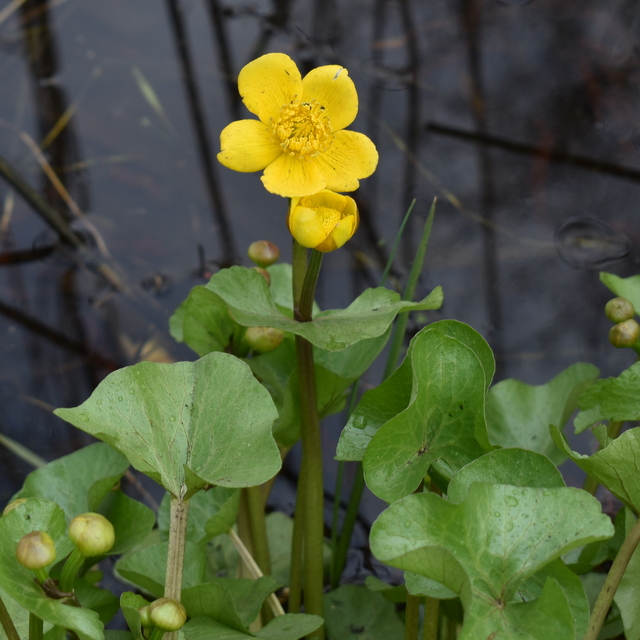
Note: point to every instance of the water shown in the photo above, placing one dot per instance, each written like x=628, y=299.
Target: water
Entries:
x=520, y=118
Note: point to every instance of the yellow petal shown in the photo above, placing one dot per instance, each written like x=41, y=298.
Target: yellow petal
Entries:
x=351, y=157
x=343, y=231
x=325, y=198
x=247, y=145
x=289, y=176
x=332, y=87
x=268, y=83
x=306, y=227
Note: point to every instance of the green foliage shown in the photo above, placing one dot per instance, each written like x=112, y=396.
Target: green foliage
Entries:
x=519, y=414
x=186, y=425
x=628, y=288
x=523, y=529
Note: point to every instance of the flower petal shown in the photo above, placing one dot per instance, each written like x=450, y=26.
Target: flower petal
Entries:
x=339, y=235
x=306, y=227
x=290, y=176
x=350, y=157
x=325, y=198
x=247, y=145
x=268, y=83
x=332, y=87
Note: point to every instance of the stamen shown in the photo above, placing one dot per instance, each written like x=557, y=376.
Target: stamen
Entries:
x=302, y=129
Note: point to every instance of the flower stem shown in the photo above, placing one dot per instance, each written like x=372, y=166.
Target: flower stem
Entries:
x=313, y=502
x=7, y=623
x=295, y=579
x=431, y=615
x=178, y=517
x=35, y=627
x=610, y=586
x=412, y=618
x=70, y=570
x=259, y=529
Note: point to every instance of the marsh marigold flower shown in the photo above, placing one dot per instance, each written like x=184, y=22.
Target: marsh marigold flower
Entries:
x=299, y=140
x=323, y=221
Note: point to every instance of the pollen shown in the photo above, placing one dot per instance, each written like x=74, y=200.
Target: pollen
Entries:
x=330, y=218
x=302, y=129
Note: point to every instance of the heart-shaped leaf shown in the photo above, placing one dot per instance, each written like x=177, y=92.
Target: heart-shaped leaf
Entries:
x=519, y=414
x=18, y=582
x=628, y=288
x=523, y=529
x=186, y=425
x=443, y=424
x=77, y=482
x=246, y=293
x=610, y=399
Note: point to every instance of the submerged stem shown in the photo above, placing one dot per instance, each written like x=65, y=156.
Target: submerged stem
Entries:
x=610, y=586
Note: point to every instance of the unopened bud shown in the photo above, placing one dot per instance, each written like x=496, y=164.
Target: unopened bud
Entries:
x=264, y=273
x=92, y=534
x=167, y=614
x=263, y=253
x=145, y=617
x=619, y=310
x=625, y=334
x=263, y=339
x=13, y=505
x=36, y=550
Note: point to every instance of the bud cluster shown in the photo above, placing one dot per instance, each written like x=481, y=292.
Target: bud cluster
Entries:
x=626, y=331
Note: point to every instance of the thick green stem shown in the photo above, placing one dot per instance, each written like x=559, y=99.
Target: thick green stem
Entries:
x=610, y=586
x=178, y=517
x=70, y=570
x=299, y=266
x=431, y=616
x=259, y=539
x=35, y=627
x=7, y=623
x=336, y=565
x=295, y=580
x=313, y=503
x=412, y=618
x=591, y=484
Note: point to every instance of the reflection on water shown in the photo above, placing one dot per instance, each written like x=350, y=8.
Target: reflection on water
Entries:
x=584, y=243
x=516, y=117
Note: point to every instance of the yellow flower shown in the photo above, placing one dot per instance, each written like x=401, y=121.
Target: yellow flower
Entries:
x=299, y=139
x=323, y=221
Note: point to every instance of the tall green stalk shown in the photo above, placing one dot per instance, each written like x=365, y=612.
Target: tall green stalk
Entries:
x=313, y=502
x=7, y=623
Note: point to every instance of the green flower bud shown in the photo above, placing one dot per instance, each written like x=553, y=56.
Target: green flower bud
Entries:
x=167, y=614
x=263, y=339
x=92, y=534
x=13, y=505
x=145, y=617
x=625, y=334
x=264, y=273
x=36, y=550
x=619, y=310
x=263, y=253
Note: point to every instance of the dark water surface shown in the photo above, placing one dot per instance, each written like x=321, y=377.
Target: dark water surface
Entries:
x=523, y=117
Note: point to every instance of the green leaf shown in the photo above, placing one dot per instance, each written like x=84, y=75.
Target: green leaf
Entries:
x=611, y=399
x=290, y=626
x=18, y=582
x=203, y=628
x=615, y=467
x=247, y=294
x=147, y=567
x=517, y=467
x=211, y=513
x=186, y=425
x=519, y=414
x=443, y=423
x=393, y=593
x=77, y=482
x=523, y=529
x=131, y=603
x=202, y=321
x=131, y=520
x=117, y=634
x=418, y=585
x=628, y=288
x=102, y=601
x=353, y=611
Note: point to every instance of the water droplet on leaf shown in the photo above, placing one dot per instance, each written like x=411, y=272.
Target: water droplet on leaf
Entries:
x=497, y=514
x=84, y=417
x=510, y=501
x=508, y=527
x=120, y=398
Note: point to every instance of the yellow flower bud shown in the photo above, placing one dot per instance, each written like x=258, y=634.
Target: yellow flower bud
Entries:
x=36, y=550
x=619, y=310
x=92, y=534
x=167, y=614
x=263, y=253
x=323, y=221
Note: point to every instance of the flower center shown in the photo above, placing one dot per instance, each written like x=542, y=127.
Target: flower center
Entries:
x=329, y=217
x=302, y=129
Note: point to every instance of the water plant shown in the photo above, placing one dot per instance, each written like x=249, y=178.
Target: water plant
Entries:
x=491, y=542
